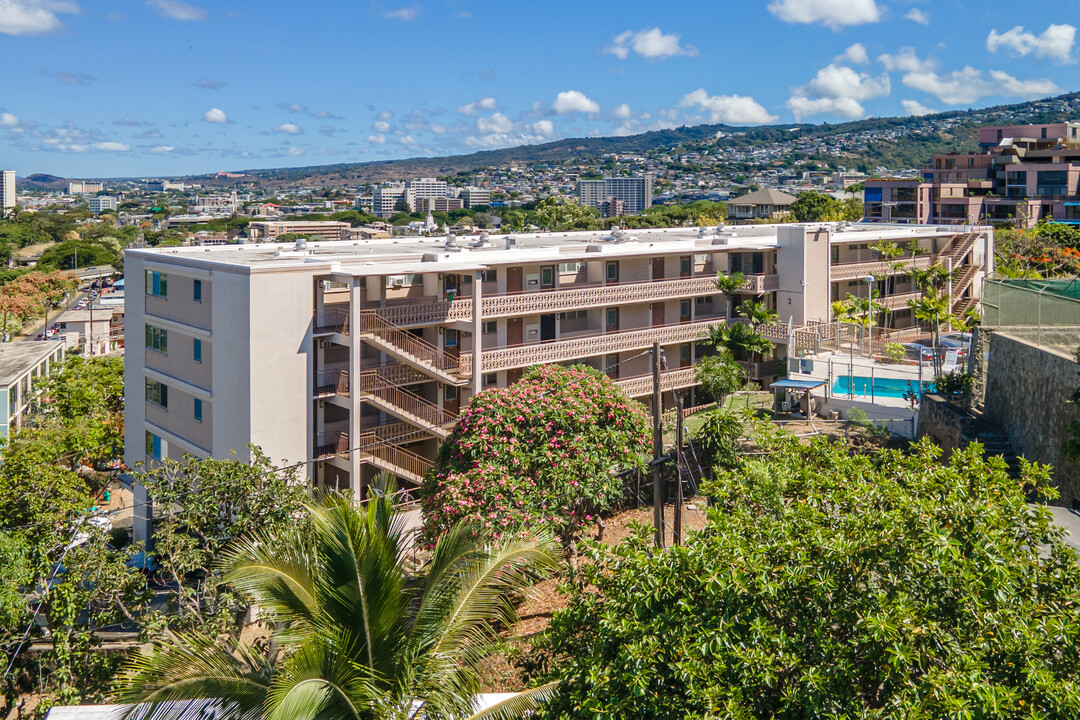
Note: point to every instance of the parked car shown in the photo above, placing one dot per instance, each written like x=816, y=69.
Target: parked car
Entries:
x=918, y=351
x=960, y=337
x=961, y=348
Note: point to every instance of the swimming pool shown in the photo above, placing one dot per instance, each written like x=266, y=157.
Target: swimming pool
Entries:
x=882, y=387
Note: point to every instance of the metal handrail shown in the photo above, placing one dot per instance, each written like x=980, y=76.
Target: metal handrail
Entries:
x=372, y=381
x=331, y=320
x=331, y=443
x=374, y=324
x=392, y=455
x=332, y=382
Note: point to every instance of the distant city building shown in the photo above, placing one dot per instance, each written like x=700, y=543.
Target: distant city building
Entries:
x=215, y=204
x=634, y=192
x=84, y=187
x=7, y=190
x=384, y=201
x=164, y=186
x=362, y=203
x=473, y=196
x=21, y=364
x=1021, y=174
x=760, y=204
x=612, y=207
x=437, y=204
x=425, y=188
x=271, y=230
x=98, y=203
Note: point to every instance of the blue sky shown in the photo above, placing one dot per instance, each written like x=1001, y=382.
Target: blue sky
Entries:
x=163, y=87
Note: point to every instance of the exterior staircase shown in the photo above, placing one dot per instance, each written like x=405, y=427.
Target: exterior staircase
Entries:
x=378, y=390
x=995, y=444
x=392, y=458
x=407, y=348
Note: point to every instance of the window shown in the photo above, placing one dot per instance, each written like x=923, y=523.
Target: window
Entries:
x=701, y=258
x=156, y=447
x=157, y=339
x=449, y=392
x=13, y=400
x=451, y=338
x=571, y=267
x=705, y=300
x=547, y=276
x=684, y=266
x=612, y=319
x=196, y=291
x=198, y=410
x=574, y=315
x=684, y=309
x=491, y=379
x=489, y=276
x=196, y=350
x=157, y=394
x=491, y=327
x=157, y=284
x=613, y=272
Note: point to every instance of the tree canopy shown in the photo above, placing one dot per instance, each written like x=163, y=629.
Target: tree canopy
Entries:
x=833, y=585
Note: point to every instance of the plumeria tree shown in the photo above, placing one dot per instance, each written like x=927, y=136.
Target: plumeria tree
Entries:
x=546, y=451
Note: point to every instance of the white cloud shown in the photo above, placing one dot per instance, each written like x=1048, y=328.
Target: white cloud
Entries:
x=497, y=123
x=914, y=107
x=384, y=115
x=907, y=61
x=289, y=129
x=730, y=109
x=177, y=10
x=918, y=16
x=573, y=101
x=381, y=126
x=215, y=115
x=296, y=151
x=838, y=91
x=405, y=14
x=1056, y=42
x=855, y=54
x=162, y=149
x=544, y=128
x=111, y=146
x=967, y=85
x=8, y=120
x=293, y=107
x=831, y=13
x=473, y=109
x=622, y=112
x=649, y=43
x=33, y=17
x=377, y=139
x=205, y=83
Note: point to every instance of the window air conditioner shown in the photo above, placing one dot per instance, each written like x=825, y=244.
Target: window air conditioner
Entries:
x=397, y=281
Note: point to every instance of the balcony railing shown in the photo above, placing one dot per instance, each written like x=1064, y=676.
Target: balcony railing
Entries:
x=758, y=370
x=335, y=320
x=393, y=459
x=643, y=384
x=406, y=405
x=328, y=444
x=879, y=268
x=898, y=301
x=332, y=382
x=406, y=346
x=758, y=284
x=600, y=344
x=573, y=298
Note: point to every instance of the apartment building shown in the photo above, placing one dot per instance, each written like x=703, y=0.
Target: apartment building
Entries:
x=21, y=364
x=7, y=190
x=473, y=196
x=99, y=203
x=358, y=356
x=271, y=230
x=385, y=200
x=437, y=204
x=634, y=192
x=84, y=187
x=1019, y=175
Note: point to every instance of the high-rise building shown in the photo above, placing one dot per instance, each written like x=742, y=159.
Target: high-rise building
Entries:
x=473, y=196
x=1020, y=174
x=98, y=203
x=385, y=199
x=84, y=187
x=612, y=207
x=7, y=190
x=634, y=192
x=426, y=187
x=356, y=357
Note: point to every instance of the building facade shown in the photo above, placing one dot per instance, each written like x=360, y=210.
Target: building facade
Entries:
x=357, y=357
x=634, y=193
x=1019, y=175
x=98, y=203
x=473, y=196
x=84, y=187
x=21, y=364
x=271, y=230
x=760, y=204
x=7, y=190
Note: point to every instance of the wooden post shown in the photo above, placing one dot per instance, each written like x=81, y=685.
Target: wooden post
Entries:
x=678, y=516
x=658, y=449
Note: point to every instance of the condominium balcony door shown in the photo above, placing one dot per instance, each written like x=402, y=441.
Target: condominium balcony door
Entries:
x=514, y=332
x=658, y=314
x=657, y=269
x=547, y=327
x=513, y=279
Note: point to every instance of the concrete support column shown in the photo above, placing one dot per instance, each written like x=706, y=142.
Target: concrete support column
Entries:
x=477, y=332
x=355, y=347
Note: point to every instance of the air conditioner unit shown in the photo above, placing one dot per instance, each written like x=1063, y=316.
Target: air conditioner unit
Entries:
x=397, y=281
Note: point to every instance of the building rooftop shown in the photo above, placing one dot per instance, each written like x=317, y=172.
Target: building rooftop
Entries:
x=18, y=357
x=381, y=256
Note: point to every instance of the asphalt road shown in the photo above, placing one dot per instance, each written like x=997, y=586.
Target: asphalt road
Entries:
x=53, y=314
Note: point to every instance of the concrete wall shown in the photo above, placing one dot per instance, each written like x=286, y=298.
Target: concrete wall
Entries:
x=1028, y=387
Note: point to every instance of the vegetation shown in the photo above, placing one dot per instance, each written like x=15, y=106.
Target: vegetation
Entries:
x=545, y=452
x=810, y=206
x=355, y=632
x=832, y=585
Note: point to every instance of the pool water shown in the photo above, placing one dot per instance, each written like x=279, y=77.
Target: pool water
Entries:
x=882, y=387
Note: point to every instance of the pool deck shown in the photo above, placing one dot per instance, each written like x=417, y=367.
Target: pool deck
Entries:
x=829, y=366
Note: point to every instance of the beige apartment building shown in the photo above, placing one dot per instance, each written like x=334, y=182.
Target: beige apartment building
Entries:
x=356, y=357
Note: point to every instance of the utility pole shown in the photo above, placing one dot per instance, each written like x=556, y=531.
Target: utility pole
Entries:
x=677, y=521
x=658, y=448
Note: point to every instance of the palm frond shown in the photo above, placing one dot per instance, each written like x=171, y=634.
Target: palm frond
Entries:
x=192, y=671
x=522, y=704
x=317, y=682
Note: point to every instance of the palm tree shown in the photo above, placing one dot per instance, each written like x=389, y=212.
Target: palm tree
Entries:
x=932, y=308
x=758, y=313
x=728, y=284
x=355, y=635
x=741, y=340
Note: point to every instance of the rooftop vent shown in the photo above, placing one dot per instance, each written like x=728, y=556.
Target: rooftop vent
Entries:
x=301, y=243
x=511, y=242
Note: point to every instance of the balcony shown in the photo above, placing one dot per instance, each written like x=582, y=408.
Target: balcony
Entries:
x=331, y=382
x=329, y=321
x=573, y=298
x=329, y=444
x=879, y=268
x=643, y=384
x=758, y=284
x=759, y=370
x=899, y=301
